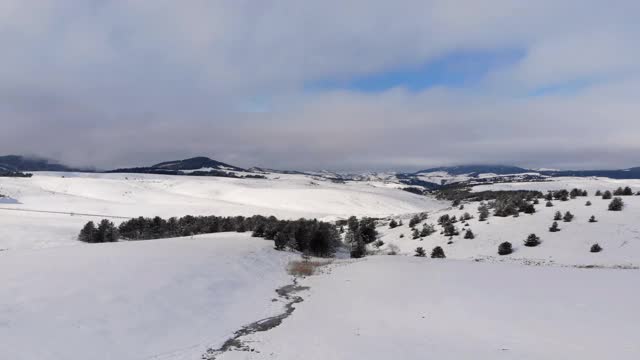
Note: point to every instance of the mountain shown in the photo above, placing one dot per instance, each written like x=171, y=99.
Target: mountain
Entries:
x=631, y=173
x=477, y=169
x=195, y=163
x=15, y=163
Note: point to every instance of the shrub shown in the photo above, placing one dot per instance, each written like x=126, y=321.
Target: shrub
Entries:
x=416, y=234
x=592, y=219
x=554, y=227
x=450, y=230
x=415, y=220
x=420, y=252
x=483, y=211
x=596, y=248
x=616, y=204
x=401, y=236
x=532, y=240
x=466, y=216
x=505, y=248
x=469, y=235
x=607, y=195
x=558, y=216
x=378, y=244
x=549, y=204
x=437, y=253
x=393, y=224
x=598, y=193
x=568, y=216
x=427, y=230
x=588, y=203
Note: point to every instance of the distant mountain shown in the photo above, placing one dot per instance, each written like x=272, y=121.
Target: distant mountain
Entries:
x=197, y=166
x=477, y=169
x=631, y=173
x=18, y=163
x=200, y=162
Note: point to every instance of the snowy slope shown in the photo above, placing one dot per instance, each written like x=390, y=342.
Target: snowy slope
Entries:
x=131, y=195
x=161, y=299
x=617, y=232
x=392, y=307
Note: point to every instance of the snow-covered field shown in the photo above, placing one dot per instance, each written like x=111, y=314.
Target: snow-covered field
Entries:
x=617, y=232
x=132, y=195
x=160, y=299
x=392, y=307
x=176, y=298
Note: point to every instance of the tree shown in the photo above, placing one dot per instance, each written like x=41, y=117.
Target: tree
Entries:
x=554, y=227
x=416, y=234
x=88, y=233
x=415, y=220
x=505, y=248
x=378, y=244
x=616, y=204
x=596, y=248
x=450, y=230
x=627, y=191
x=568, y=216
x=592, y=219
x=549, y=204
x=532, y=240
x=607, y=195
x=437, y=253
x=393, y=224
x=598, y=193
x=466, y=216
x=106, y=232
x=588, y=203
x=469, y=234
x=281, y=240
x=420, y=252
x=483, y=211
x=549, y=196
x=558, y=216
x=358, y=249
x=427, y=230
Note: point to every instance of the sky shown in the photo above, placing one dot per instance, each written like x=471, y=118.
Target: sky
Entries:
x=338, y=85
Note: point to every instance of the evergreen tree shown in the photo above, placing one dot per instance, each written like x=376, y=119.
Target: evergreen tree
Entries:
x=596, y=248
x=415, y=220
x=505, y=248
x=420, y=252
x=427, y=230
x=88, y=233
x=598, y=193
x=558, y=216
x=568, y=216
x=469, y=234
x=607, y=195
x=415, y=234
x=483, y=211
x=450, y=230
x=588, y=203
x=592, y=219
x=437, y=253
x=554, y=227
x=393, y=224
x=549, y=204
x=532, y=240
x=616, y=204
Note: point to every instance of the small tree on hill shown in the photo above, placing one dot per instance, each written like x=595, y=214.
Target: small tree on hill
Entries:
x=505, y=248
x=607, y=195
x=532, y=240
x=427, y=230
x=596, y=248
x=415, y=220
x=616, y=204
x=598, y=193
x=88, y=233
x=554, y=227
x=483, y=212
x=393, y=224
x=558, y=216
x=420, y=252
x=450, y=230
x=469, y=234
x=415, y=234
x=437, y=253
x=549, y=204
x=592, y=219
x=588, y=203
x=568, y=216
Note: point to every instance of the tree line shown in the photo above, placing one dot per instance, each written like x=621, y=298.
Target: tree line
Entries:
x=312, y=237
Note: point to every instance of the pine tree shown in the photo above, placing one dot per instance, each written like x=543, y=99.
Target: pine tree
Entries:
x=437, y=253
x=592, y=219
x=554, y=227
x=568, y=216
x=532, y=240
x=598, y=193
x=596, y=248
x=505, y=248
x=607, y=195
x=469, y=234
x=393, y=224
x=420, y=252
x=616, y=204
x=415, y=234
x=588, y=203
x=483, y=211
x=549, y=204
x=427, y=230
x=88, y=233
x=558, y=216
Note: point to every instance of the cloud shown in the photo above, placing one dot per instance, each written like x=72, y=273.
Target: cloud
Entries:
x=115, y=83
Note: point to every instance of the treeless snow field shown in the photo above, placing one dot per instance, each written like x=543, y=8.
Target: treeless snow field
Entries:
x=156, y=299
x=396, y=307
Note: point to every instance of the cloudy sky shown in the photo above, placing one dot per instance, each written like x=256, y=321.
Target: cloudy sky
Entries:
x=343, y=85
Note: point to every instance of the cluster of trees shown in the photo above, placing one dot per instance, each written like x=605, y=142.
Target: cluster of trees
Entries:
x=7, y=173
x=623, y=192
x=308, y=236
x=616, y=204
x=359, y=234
x=436, y=253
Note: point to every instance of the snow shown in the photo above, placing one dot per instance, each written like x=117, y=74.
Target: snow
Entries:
x=160, y=299
x=617, y=232
x=394, y=307
x=132, y=195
